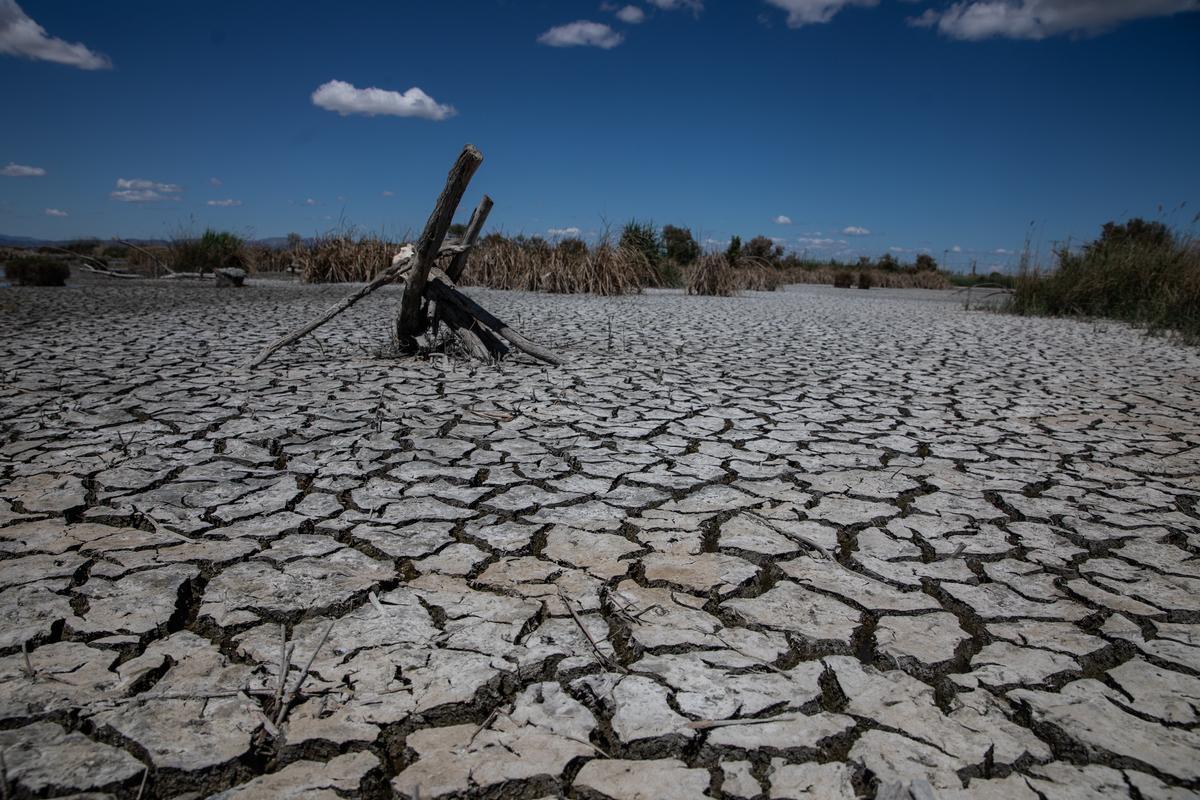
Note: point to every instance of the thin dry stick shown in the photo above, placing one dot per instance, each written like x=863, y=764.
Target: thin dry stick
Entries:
x=595, y=647
x=285, y=662
x=706, y=724
x=283, y=709
x=142, y=788
x=3, y=776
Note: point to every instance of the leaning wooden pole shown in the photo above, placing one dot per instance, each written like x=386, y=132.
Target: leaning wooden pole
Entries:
x=478, y=220
x=411, y=320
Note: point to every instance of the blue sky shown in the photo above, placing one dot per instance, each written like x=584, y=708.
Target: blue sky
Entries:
x=842, y=127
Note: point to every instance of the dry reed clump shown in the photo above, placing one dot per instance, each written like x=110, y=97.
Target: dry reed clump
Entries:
x=570, y=267
x=343, y=259
x=713, y=275
x=759, y=275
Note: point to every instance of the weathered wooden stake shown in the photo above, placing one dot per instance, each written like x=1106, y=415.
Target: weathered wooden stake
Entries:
x=411, y=320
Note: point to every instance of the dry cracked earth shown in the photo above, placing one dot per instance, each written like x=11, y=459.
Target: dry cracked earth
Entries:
x=808, y=544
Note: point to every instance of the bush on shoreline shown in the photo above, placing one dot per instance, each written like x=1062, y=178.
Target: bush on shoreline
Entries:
x=37, y=271
x=1139, y=272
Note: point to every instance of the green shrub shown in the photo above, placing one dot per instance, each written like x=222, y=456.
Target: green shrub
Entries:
x=764, y=249
x=213, y=250
x=681, y=247
x=1139, y=272
x=733, y=253
x=37, y=271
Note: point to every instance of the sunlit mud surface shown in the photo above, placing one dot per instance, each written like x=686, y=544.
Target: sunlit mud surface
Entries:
x=802, y=544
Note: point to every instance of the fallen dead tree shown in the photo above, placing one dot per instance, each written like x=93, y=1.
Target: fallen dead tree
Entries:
x=431, y=299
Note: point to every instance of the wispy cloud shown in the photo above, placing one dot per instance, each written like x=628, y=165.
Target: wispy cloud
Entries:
x=14, y=170
x=387, y=193
x=226, y=203
x=783, y=219
x=1039, y=19
x=815, y=12
x=631, y=15
x=568, y=233
x=582, y=34
x=216, y=182
x=21, y=36
x=696, y=6
x=819, y=243
x=55, y=212
x=310, y=202
x=956, y=249
x=346, y=99
x=139, y=190
x=855, y=230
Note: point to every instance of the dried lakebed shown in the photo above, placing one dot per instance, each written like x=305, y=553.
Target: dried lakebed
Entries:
x=787, y=545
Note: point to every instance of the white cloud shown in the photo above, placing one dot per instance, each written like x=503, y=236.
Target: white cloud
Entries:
x=388, y=193
x=21, y=36
x=140, y=183
x=670, y=5
x=1000, y=251
x=569, y=233
x=345, y=99
x=631, y=15
x=813, y=12
x=956, y=249
x=55, y=212
x=139, y=190
x=1038, y=19
x=582, y=34
x=226, y=203
x=14, y=170
x=783, y=219
x=310, y=202
x=818, y=242
x=215, y=182
x=899, y=250
x=855, y=230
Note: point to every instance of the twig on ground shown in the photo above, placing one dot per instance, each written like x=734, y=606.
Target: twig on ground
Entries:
x=281, y=714
x=605, y=660
x=142, y=787
x=29, y=670
x=706, y=724
x=285, y=663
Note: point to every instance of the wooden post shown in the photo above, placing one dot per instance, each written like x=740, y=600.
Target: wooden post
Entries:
x=411, y=319
x=478, y=220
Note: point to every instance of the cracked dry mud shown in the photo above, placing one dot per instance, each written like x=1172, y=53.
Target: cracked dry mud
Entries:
x=878, y=538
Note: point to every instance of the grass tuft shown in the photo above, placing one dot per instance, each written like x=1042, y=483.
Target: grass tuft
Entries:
x=37, y=271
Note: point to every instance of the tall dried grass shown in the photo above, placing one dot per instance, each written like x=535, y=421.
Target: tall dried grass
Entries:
x=343, y=258
x=570, y=267
x=713, y=275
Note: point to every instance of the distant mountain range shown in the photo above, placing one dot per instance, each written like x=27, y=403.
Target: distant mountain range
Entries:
x=27, y=241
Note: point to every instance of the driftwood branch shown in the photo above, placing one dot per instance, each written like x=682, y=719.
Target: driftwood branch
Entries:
x=158, y=264
x=442, y=290
x=411, y=320
x=400, y=266
x=478, y=220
